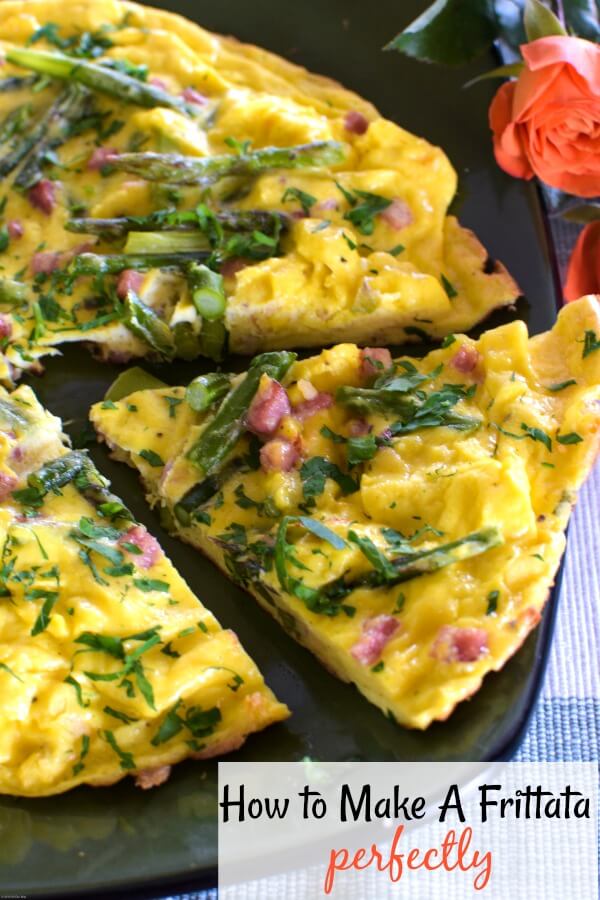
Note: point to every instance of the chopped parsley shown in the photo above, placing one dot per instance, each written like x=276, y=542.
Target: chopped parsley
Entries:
x=448, y=340
x=448, y=287
x=492, y=602
x=305, y=200
x=561, y=385
x=152, y=458
x=315, y=472
x=126, y=760
x=75, y=684
x=85, y=746
x=590, y=343
x=571, y=438
x=151, y=584
x=362, y=214
x=378, y=667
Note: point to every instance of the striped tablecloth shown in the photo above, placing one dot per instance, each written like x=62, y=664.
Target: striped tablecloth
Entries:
x=566, y=722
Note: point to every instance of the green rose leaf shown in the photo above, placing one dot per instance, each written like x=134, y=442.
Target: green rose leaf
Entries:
x=450, y=32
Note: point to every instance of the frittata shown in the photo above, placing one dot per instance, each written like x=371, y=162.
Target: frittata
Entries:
x=109, y=665
x=167, y=192
x=403, y=519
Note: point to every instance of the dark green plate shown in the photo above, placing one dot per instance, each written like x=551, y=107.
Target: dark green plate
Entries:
x=123, y=839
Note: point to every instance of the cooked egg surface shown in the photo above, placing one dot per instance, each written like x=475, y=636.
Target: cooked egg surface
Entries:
x=109, y=665
x=404, y=520
x=368, y=253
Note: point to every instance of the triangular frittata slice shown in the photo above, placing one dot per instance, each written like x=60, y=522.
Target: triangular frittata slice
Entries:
x=404, y=520
x=343, y=236
x=108, y=663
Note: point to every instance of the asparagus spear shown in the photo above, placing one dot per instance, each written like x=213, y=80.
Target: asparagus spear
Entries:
x=112, y=264
x=213, y=339
x=97, y=77
x=176, y=169
x=14, y=123
x=71, y=107
x=163, y=220
x=222, y=433
x=145, y=324
x=205, y=390
x=54, y=475
x=12, y=291
x=166, y=242
x=208, y=293
x=326, y=598
x=11, y=416
x=130, y=381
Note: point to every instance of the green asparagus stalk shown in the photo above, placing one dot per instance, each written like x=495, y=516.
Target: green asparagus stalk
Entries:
x=146, y=325
x=213, y=339
x=170, y=220
x=11, y=416
x=96, y=77
x=57, y=473
x=73, y=105
x=187, y=341
x=166, y=242
x=222, y=433
x=326, y=598
x=14, y=123
x=130, y=381
x=205, y=390
x=12, y=291
x=176, y=169
x=208, y=293
x=111, y=264
x=25, y=142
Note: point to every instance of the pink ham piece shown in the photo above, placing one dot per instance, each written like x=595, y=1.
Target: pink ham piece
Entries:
x=190, y=95
x=278, y=456
x=377, y=633
x=454, y=644
x=5, y=326
x=358, y=427
x=158, y=83
x=232, y=266
x=374, y=361
x=309, y=408
x=149, y=778
x=466, y=359
x=129, y=280
x=355, y=122
x=15, y=229
x=101, y=157
x=397, y=215
x=270, y=404
x=42, y=196
x=7, y=483
x=45, y=262
x=140, y=538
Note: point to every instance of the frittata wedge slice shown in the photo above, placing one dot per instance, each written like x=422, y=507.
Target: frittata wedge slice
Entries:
x=403, y=520
x=109, y=665
x=319, y=219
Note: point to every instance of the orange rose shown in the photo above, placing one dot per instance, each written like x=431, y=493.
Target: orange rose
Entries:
x=547, y=122
x=583, y=275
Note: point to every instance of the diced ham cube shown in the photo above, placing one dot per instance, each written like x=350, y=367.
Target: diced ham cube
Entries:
x=355, y=122
x=270, y=404
x=158, y=83
x=397, y=215
x=374, y=361
x=42, y=196
x=129, y=280
x=149, y=778
x=454, y=644
x=232, y=266
x=151, y=550
x=466, y=359
x=7, y=484
x=101, y=157
x=15, y=229
x=278, y=456
x=5, y=326
x=358, y=427
x=190, y=95
x=377, y=633
x=309, y=408
x=45, y=262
